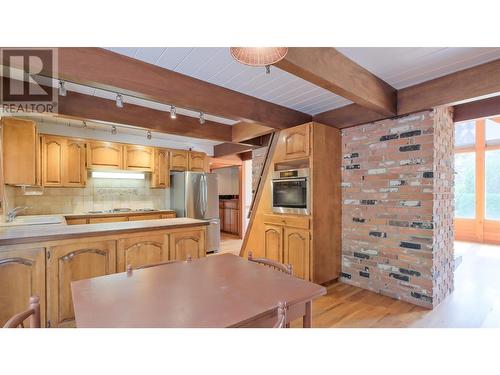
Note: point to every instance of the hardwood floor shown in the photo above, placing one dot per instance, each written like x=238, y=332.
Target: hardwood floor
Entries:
x=230, y=244
x=474, y=303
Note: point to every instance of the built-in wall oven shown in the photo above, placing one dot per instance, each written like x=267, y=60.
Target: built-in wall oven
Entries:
x=291, y=191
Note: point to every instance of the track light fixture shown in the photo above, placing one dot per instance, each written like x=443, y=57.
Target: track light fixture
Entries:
x=173, y=114
x=202, y=118
x=119, y=100
x=62, y=88
x=113, y=130
x=149, y=135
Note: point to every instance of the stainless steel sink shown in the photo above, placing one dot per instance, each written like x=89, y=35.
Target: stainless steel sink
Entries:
x=34, y=220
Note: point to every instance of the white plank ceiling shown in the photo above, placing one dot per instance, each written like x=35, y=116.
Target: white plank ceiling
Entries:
x=400, y=67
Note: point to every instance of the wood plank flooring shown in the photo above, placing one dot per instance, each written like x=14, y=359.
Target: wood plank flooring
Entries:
x=474, y=303
x=230, y=244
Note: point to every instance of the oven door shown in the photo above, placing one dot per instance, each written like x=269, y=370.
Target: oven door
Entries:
x=291, y=196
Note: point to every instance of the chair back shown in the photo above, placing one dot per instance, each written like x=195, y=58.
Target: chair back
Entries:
x=286, y=268
x=33, y=313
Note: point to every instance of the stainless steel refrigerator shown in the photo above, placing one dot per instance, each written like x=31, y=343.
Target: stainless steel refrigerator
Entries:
x=195, y=195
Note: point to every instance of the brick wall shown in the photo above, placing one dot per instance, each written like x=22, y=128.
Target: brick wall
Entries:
x=397, y=210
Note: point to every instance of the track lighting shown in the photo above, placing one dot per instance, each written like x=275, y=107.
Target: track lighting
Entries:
x=202, y=118
x=268, y=69
x=173, y=114
x=113, y=130
x=62, y=88
x=119, y=100
x=148, y=135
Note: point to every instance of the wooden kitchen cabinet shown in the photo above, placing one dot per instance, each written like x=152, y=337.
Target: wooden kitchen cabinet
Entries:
x=72, y=262
x=22, y=275
x=294, y=143
x=184, y=243
x=273, y=242
x=160, y=178
x=170, y=215
x=141, y=250
x=229, y=215
x=198, y=162
x=138, y=158
x=109, y=219
x=21, y=152
x=104, y=155
x=63, y=162
x=296, y=251
x=144, y=217
x=179, y=160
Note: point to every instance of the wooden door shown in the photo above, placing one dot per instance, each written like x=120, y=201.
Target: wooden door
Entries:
x=178, y=160
x=142, y=250
x=160, y=177
x=75, y=172
x=295, y=142
x=105, y=155
x=186, y=243
x=273, y=242
x=72, y=262
x=197, y=161
x=52, y=160
x=22, y=275
x=296, y=251
x=138, y=158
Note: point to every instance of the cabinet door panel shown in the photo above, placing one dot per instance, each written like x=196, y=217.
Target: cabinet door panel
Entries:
x=138, y=158
x=297, y=251
x=105, y=155
x=74, y=262
x=52, y=161
x=161, y=173
x=75, y=172
x=235, y=221
x=178, y=160
x=197, y=161
x=295, y=143
x=22, y=275
x=273, y=242
x=140, y=251
x=187, y=243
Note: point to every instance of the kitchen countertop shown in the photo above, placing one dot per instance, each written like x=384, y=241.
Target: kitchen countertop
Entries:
x=13, y=235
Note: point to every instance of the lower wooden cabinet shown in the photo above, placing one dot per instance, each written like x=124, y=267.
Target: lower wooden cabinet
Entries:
x=72, y=262
x=142, y=250
x=289, y=245
x=22, y=275
x=296, y=251
x=185, y=243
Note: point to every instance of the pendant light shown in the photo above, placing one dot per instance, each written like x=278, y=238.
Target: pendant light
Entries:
x=258, y=56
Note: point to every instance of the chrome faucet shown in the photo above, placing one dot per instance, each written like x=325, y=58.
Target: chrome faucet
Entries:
x=11, y=215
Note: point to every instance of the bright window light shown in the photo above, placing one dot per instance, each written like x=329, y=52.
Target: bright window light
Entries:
x=122, y=175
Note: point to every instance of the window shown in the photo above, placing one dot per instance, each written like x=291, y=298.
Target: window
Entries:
x=492, y=184
x=465, y=134
x=492, y=132
x=465, y=185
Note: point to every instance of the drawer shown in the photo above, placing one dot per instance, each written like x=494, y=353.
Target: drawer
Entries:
x=288, y=220
x=170, y=215
x=144, y=217
x=111, y=219
x=231, y=204
x=76, y=221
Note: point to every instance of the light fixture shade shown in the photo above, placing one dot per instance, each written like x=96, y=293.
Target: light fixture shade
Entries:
x=258, y=56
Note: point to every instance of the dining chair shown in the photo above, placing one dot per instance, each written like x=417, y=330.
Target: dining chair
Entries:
x=286, y=268
x=281, y=321
x=33, y=313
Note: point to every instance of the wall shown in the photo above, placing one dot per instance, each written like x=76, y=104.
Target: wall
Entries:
x=397, y=211
x=99, y=194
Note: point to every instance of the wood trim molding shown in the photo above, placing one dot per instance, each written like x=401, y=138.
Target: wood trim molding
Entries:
x=331, y=70
x=107, y=70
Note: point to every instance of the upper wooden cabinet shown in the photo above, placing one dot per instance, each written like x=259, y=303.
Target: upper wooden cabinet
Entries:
x=104, y=155
x=294, y=143
x=138, y=158
x=68, y=263
x=160, y=178
x=179, y=160
x=22, y=275
x=198, y=161
x=21, y=152
x=63, y=162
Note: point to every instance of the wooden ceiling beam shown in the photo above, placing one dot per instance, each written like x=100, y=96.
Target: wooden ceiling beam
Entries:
x=243, y=131
x=347, y=116
x=328, y=68
x=103, y=69
x=225, y=149
x=462, y=86
x=475, y=110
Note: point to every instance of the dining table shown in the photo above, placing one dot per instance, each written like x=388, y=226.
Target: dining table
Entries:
x=217, y=291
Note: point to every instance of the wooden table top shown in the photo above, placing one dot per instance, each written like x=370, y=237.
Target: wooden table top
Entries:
x=216, y=291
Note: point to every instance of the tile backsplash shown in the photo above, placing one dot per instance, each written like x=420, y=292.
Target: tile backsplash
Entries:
x=99, y=194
